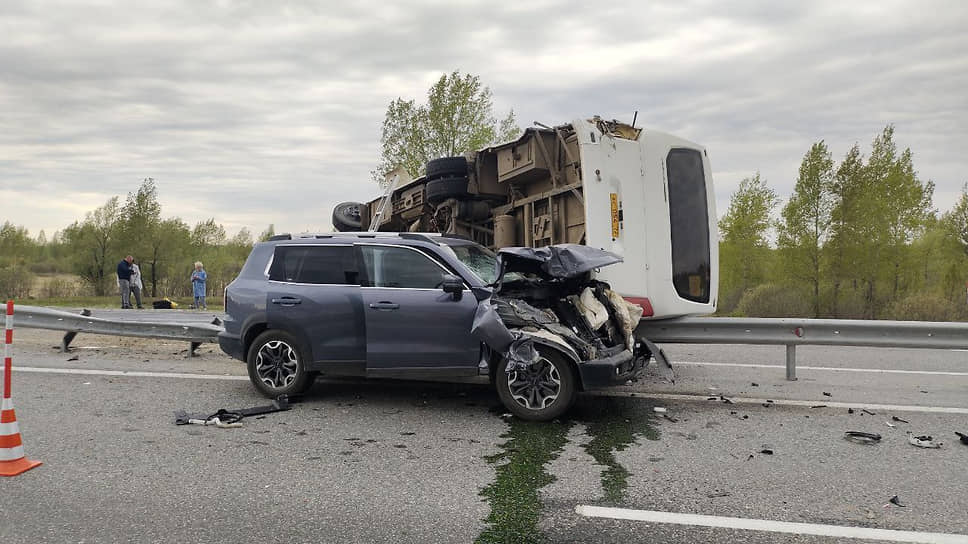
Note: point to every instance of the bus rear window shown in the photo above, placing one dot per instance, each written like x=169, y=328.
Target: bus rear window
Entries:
x=690, y=224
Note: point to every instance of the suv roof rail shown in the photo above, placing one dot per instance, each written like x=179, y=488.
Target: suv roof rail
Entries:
x=275, y=237
x=418, y=236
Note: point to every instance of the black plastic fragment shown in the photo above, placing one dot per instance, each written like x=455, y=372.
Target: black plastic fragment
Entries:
x=897, y=502
x=826, y=394
x=861, y=437
x=963, y=437
x=895, y=418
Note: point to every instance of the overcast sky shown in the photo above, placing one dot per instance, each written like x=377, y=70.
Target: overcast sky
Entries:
x=257, y=112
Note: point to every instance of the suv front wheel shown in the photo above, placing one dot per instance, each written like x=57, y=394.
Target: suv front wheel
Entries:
x=542, y=392
x=277, y=364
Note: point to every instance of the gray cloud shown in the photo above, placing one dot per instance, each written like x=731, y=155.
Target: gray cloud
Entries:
x=257, y=113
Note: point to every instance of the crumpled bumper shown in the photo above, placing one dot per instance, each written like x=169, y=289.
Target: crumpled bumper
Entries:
x=610, y=371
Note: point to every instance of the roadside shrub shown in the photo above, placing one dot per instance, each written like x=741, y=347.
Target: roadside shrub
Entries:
x=15, y=282
x=771, y=300
x=60, y=288
x=928, y=307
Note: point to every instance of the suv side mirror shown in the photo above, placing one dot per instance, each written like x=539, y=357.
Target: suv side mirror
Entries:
x=453, y=285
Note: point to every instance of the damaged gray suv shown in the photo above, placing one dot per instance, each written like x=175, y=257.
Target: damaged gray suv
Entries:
x=408, y=305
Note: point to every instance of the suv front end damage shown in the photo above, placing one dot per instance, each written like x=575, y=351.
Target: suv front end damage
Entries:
x=548, y=297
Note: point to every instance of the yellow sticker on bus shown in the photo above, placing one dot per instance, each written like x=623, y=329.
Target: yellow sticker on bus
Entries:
x=614, y=198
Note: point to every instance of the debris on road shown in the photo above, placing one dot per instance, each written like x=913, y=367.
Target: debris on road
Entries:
x=924, y=441
x=861, y=437
x=717, y=494
x=889, y=424
x=229, y=418
x=868, y=412
x=826, y=394
x=766, y=451
x=659, y=410
x=754, y=384
x=670, y=418
x=819, y=406
x=895, y=501
x=895, y=418
x=850, y=410
x=963, y=437
x=74, y=358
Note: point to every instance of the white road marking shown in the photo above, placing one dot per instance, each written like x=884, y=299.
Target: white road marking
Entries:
x=783, y=402
x=828, y=368
x=131, y=373
x=834, y=531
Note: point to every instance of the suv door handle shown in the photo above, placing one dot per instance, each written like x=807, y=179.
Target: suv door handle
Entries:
x=384, y=305
x=287, y=301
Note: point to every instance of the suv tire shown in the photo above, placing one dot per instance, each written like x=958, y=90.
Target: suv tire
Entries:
x=447, y=166
x=277, y=364
x=529, y=402
x=439, y=190
x=346, y=217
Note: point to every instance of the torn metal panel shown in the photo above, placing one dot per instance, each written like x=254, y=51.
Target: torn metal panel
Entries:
x=562, y=261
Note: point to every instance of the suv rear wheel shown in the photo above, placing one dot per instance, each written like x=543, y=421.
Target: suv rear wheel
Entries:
x=541, y=392
x=277, y=365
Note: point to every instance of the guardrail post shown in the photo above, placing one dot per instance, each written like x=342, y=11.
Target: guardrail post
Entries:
x=69, y=337
x=791, y=362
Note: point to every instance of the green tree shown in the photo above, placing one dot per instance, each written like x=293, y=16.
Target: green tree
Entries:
x=457, y=118
x=806, y=219
x=744, y=250
x=93, y=244
x=848, y=221
x=268, y=233
x=956, y=220
x=141, y=219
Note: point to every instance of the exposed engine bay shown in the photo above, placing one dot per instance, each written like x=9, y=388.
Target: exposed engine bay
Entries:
x=548, y=296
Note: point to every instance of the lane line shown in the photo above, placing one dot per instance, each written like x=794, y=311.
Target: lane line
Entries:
x=132, y=373
x=827, y=368
x=745, y=524
x=783, y=402
x=659, y=396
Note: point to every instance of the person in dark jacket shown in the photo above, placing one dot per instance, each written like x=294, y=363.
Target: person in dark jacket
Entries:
x=124, y=281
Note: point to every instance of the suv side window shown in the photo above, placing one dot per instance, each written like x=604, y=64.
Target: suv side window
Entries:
x=401, y=267
x=317, y=264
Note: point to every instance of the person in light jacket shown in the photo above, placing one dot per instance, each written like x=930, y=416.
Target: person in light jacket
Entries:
x=198, y=286
x=136, y=285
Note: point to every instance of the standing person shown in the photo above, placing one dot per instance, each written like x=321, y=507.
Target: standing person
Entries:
x=198, y=286
x=124, y=281
x=136, y=285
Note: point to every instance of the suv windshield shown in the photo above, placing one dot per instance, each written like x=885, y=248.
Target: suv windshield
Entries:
x=481, y=261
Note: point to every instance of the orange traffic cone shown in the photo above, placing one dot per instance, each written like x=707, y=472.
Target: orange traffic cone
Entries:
x=12, y=459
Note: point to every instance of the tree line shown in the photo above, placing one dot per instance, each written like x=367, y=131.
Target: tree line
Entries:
x=856, y=239
x=164, y=247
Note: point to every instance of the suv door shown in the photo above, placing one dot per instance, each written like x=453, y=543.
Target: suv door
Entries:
x=314, y=294
x=411, y=323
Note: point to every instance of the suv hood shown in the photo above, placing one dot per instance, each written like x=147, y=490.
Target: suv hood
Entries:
x=562, y=261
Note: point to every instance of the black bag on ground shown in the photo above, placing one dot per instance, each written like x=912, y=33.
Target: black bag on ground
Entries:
x=161, y=305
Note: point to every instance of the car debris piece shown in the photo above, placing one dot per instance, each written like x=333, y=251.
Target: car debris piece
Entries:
x=895, y=501
x=225, y=417
x=963, y=437
x=861, y=437
x=659, y=409
x=868, y=412
x=924, y=441
x=826, y=394
x=819, y=406
x=850, y=410
x=889, y=424
x=895, y=418
x=670, y=418
x=754, y=384
x=766, y=451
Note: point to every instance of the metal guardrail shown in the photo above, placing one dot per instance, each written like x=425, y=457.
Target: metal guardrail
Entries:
x=799, y=332
x=685, y=330
x=36, y=317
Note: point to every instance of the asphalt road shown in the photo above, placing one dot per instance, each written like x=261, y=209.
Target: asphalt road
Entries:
x=383, y=461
